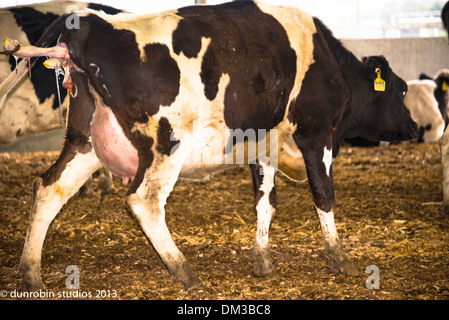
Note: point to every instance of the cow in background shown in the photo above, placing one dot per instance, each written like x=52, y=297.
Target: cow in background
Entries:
x=427, y=101
x=441, y=91
x=30, y=104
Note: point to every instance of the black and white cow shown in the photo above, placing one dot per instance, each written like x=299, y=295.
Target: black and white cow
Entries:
x=425, y=109
x=440, y=91
x=30, y=105
x=149, y=90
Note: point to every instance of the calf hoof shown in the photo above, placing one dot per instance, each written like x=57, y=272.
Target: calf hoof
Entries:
x=344, y=267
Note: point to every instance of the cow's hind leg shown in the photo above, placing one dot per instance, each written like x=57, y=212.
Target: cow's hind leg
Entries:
x=147, y=200
x=62, y=180
x=51, y=191
x=265, y=204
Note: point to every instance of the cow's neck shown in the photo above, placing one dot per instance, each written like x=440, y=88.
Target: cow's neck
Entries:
x=360, y=87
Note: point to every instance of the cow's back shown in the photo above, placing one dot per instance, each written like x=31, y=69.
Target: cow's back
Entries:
x=265, y=51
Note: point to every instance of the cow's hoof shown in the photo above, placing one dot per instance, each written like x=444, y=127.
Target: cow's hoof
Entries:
x=105, y=191
x=191, y=283
x=86, y=192
x=263, y=268
x=31, y=286
x=344, y=267
x=262, y=265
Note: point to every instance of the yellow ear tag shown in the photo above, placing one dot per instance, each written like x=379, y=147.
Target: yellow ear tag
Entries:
x=379, y=83
x=444, y=86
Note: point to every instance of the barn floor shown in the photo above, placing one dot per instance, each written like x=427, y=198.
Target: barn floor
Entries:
x=388, y=214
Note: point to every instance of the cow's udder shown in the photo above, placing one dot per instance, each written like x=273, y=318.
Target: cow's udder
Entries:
x=111, y=145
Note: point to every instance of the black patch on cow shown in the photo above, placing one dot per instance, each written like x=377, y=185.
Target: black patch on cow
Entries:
x=34, y=23
x=165, y=143
x=445, y=16
x=422, y=130
x=361, y=142
x=104, y=8
x=249, y=45
x=133, y=88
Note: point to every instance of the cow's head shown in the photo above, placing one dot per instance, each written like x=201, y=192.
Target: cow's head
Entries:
x=384, y=117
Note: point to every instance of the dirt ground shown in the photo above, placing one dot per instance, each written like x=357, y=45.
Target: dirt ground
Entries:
x=388, y=214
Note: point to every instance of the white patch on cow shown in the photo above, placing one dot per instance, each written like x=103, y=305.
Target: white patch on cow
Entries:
x=201, y=127
x=327, y=159
x=265, y=210
x=330, y=236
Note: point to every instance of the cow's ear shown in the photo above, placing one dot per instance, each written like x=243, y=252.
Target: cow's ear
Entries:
x=375, y=63
x=424, y=76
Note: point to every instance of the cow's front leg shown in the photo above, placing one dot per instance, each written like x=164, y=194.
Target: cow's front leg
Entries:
x=265, y=204
x=318, y=160
x=50, y=192
x=147, y=200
